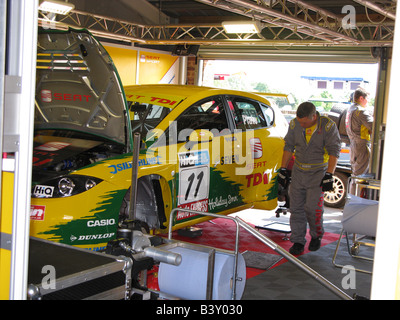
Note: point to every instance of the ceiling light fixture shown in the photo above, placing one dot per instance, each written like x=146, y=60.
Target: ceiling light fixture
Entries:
x=241, y=26
x=53, y=6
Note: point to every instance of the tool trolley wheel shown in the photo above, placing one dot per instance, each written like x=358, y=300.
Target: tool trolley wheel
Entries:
x=355, y=249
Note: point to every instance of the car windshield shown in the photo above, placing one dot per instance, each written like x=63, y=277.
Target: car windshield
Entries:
x=146, y=116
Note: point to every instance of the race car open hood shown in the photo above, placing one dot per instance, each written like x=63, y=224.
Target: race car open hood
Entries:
x=77, y=86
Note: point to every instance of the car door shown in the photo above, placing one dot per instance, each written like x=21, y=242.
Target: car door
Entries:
x=204, y=159
x=260, y=148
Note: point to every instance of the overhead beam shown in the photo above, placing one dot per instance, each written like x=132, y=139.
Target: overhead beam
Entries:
x=251, y=8
x=276, y=31
x=377, y=8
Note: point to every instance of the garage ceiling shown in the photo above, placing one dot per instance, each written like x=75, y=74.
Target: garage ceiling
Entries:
x=287, y=26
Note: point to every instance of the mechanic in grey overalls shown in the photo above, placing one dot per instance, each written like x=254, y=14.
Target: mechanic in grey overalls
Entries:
x=359, y=127
x=315, y=142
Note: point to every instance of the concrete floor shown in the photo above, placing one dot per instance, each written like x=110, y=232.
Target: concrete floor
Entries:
x=289, y=282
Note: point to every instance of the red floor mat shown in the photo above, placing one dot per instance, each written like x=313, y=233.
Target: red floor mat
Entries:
x=220, y=233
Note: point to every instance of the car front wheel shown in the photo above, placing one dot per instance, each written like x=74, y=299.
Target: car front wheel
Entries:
x=337, y=197
x=149, y=203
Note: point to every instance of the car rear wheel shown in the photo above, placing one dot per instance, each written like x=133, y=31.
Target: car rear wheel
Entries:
x=337, y=197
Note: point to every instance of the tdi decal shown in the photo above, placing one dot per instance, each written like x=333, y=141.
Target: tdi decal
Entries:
x=256, y=179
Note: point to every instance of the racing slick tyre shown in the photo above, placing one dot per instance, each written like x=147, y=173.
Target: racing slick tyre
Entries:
x=337, y=197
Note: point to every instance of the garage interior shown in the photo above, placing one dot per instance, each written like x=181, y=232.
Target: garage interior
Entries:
x=358, y=31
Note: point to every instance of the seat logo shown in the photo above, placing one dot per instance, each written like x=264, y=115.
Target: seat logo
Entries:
x=256, y=148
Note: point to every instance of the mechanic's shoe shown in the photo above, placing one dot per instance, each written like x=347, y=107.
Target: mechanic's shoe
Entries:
x=296, y=249
x=315, y=244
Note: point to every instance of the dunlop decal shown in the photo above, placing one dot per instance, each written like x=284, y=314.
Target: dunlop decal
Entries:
x=98, y=228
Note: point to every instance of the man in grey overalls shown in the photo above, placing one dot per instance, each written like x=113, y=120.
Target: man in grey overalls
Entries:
x=359, y=127
x=315, y=142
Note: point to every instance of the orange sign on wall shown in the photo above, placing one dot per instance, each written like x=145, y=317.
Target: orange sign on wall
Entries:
x=125, y=62
x=144, y=67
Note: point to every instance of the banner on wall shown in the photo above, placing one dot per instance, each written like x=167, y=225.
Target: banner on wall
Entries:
x=125, y=62
x=158, y=68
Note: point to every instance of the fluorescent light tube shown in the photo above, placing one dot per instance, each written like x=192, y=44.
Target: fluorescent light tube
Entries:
x=241, y=27
x=54, y=6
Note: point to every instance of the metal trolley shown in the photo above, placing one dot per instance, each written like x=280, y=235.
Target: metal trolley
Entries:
x=261, y=237
x=359, y=217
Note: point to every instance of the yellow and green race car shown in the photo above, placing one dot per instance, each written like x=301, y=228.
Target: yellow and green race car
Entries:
x=203, y=149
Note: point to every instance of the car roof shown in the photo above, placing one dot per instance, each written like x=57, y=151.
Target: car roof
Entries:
x=182, y=92
x=168, y=88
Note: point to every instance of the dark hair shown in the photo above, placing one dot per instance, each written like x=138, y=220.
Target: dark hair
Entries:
x=360, y=92
x=306, y=109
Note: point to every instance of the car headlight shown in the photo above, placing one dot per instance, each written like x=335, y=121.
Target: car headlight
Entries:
x=64, y=186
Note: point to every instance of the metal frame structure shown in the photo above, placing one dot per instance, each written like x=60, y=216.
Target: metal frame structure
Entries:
x=291, y=22
x=17, y=135
x=268, y=242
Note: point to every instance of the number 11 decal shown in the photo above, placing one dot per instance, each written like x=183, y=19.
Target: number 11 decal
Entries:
x=191, y=178
x=194, y=175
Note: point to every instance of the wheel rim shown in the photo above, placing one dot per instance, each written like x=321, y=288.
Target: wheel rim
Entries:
x=337, y=193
